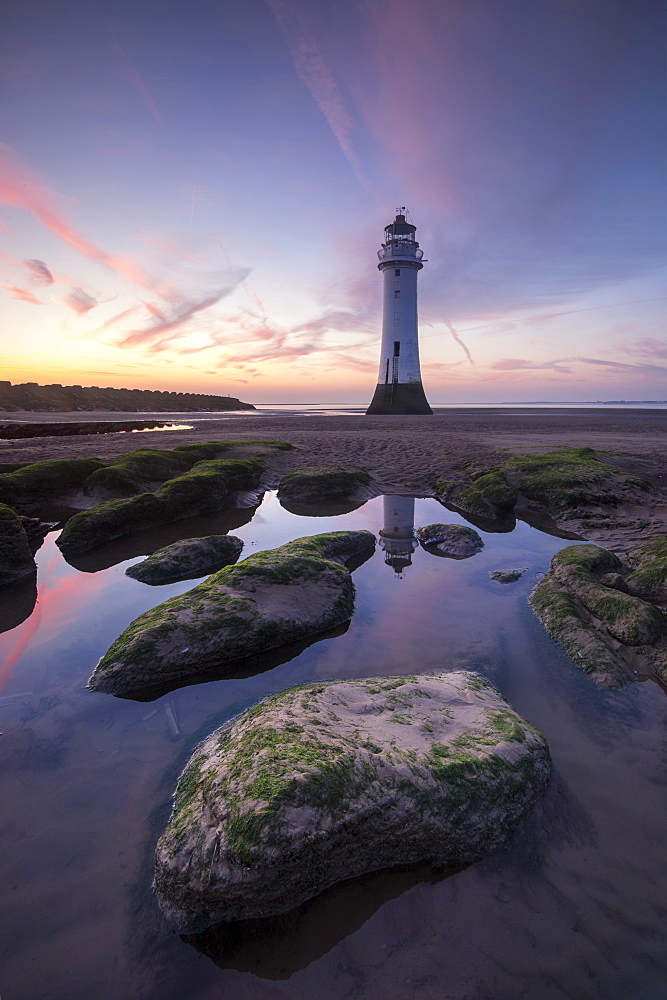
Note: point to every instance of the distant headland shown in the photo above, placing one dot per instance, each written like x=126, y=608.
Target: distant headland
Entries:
x=65, y=398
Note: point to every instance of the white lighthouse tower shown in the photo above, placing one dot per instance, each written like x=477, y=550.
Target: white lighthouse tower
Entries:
x=399, y=388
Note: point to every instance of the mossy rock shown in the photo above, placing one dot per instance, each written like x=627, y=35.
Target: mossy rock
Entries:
x=561, y=481
x=324, y=484
x=207, y=487
x=648, y=578
x=456, y=541
x=271, y=599
x=186, y=559
x=134, y=472
x=328, y=781
x=56, y=477
x=16, y=558
x=604, y=630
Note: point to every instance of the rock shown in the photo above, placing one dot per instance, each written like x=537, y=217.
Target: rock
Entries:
x=328, y=781
x=326, y=484
x=615, y=581
x=649, y=577
x=16, y=557
x=566, y=484
x=453, y=540
x=45, y=479
x=270, y=599
x=189, y=558
x=607, y=633
x=207, y=487
x=507, y=575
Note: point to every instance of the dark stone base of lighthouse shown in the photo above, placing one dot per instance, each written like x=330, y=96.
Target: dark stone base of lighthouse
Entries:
x=399, y=398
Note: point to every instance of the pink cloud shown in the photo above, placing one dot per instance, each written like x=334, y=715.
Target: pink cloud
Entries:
x=39, y=272
x=77, y=300
x=18, y=188
x=21, y=293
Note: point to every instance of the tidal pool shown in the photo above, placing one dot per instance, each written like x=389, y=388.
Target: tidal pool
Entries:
x=573, y=908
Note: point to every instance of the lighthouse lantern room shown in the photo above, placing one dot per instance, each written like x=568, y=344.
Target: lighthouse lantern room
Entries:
x=399, y=389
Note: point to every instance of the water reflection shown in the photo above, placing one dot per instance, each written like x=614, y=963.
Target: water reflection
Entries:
x=277, y=947
x=144, y=543
x=17, y=602
x=397, y=535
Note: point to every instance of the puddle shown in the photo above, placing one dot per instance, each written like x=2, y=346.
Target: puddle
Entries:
x=574, y=906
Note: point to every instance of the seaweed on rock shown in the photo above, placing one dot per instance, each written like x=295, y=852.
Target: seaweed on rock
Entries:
x=271, y=599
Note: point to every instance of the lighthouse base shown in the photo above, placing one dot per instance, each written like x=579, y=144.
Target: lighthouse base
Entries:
x=399, y=398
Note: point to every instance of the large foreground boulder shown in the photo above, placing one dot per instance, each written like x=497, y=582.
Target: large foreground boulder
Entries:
x=270, y=599
x=328, y=781
x=16, y=557
x=187, y=559
x=584, y=605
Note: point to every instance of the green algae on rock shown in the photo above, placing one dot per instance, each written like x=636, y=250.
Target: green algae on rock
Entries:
x=205, y=488
x=324, y=484
x=134, y=472
x=608, y=633
x=456, y=541
x=563, y=483
x=187, y=558
x=271, y=599
x=46, y=479
x=16, y=557
x=328, y=781
x=648, y=578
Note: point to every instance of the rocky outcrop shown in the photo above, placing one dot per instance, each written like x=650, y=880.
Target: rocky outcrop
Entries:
x=331, y=780
x=187, y=559
x=453, y=540
x=325, y=484
x=41, y=480
x=584, y=604
x=270, y=599
x=207, y=487
x=648, y=563
x=570, y=486
x=16, y=555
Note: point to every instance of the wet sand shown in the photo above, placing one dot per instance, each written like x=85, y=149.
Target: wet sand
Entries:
x=404, y=454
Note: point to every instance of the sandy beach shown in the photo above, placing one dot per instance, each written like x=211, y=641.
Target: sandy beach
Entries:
x=402, y=453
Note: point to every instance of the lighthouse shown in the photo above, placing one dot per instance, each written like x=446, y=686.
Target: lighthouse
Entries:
x=399, y=389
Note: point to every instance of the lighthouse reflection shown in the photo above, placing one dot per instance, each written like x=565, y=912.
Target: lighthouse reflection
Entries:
x=397, y=536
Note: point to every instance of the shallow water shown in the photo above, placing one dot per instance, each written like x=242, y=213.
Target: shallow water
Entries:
x=574, y=907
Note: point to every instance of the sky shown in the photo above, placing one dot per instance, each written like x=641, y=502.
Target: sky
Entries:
x=192, y=195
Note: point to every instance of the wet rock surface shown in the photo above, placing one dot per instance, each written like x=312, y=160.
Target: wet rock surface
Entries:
x=16, y=554
x=453, y=540
x=588, y=603
x=326, y=484
x=272, y=598
x=571, y=486
x=205, y=488
x=331, y=780
x=187, y=559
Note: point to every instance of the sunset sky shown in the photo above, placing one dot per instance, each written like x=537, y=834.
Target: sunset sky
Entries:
x=192, y=194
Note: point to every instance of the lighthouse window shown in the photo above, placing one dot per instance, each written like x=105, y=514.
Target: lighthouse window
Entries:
x=397, y=271
x=397, y=294
x=397, y=348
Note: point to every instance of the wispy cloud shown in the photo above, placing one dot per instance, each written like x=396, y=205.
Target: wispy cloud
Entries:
x=19, y=189
x=314, y=72
x=21, y=293
x=647, y=347
x=39, y=272
x=458, y=340
x=77, y=300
